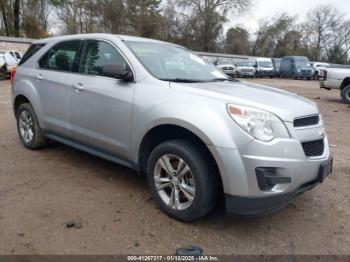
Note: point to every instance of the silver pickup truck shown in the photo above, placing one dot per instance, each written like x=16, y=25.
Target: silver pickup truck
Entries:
x=337, y=78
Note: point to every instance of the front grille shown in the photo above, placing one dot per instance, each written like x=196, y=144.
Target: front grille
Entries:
x=313, y=148
x=306, y=121
x=306, y=71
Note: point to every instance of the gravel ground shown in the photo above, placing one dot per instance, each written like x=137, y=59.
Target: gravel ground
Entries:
x=41, y=190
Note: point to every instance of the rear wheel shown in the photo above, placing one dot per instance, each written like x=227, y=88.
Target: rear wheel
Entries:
x=182, y=181
x=28, y=127
x=345, y=94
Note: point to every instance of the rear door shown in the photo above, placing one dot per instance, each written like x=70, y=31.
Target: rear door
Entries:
x=101, y=106
x=54, y=81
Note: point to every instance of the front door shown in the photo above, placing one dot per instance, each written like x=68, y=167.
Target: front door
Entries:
x=101, y=106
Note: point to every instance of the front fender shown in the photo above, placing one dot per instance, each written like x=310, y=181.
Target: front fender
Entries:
x=206, y=118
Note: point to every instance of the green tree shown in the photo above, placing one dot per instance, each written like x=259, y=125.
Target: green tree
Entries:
x=237, y=41
x=210, y=15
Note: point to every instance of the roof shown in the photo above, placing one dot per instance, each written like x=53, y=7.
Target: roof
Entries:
x=99, y=35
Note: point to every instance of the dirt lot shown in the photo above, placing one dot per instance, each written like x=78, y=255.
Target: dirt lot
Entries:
x=41, y=190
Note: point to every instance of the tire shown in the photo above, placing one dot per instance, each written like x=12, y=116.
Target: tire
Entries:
x=316, y=76
x=3, y=75
x=201, y=178
x=345, y=94
x=28, y=127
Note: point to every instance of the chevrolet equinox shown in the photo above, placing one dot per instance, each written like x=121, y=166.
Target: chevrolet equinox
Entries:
x=198, y=135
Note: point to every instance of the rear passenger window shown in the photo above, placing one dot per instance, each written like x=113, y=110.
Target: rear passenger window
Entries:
x=96, y=54
x=61, y=57
x=30, y=52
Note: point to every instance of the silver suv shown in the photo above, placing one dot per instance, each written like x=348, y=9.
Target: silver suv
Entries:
x=199, y=136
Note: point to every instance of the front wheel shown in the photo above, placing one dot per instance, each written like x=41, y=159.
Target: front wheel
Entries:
x=182, y=180
x=345, y=94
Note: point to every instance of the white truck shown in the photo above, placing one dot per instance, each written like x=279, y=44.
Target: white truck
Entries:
x=337, y=78
x=318, y=68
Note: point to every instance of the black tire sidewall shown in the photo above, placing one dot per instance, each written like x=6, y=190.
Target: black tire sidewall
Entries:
x=206, y=191
x=28, y=108
x=344, y=92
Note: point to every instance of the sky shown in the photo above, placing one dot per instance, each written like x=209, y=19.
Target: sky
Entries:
x=267, y=8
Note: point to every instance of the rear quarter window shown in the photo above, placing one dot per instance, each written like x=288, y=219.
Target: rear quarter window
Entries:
x=34, y=48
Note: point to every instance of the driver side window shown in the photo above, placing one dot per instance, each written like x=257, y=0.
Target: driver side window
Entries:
x=96, y=54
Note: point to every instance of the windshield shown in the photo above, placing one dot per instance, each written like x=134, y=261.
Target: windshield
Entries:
x=248, y=64
x=302, y=63
x=265, y=63
x=225, y=62
x=171, y=63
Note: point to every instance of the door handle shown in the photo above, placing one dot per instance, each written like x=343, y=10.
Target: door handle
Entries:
x=79, y=87
x=39, y=77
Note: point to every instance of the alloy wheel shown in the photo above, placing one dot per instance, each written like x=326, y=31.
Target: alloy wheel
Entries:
x=174, y=182
x=26, y=126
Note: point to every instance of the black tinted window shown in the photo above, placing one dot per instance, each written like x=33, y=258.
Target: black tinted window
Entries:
x=97, y=54
x=30, y=52
x=61, y=57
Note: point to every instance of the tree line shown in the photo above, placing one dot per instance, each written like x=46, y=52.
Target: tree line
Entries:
x=323, y=35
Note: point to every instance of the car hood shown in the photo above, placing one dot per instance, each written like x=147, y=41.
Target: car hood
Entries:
x=246, y=67
x=266, y=68
x=284, y=104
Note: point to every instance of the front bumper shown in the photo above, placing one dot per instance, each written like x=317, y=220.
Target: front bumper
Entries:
x=296, y=74
x=265, y=73
x=257, y=206
x=285, y=156
x=242, y=73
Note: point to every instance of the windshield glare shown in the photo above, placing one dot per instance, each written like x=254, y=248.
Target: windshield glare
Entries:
x=265, y=64
x=171, y=63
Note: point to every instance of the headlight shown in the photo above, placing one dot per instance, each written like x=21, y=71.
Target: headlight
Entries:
x=298, y=70
x=260, y=124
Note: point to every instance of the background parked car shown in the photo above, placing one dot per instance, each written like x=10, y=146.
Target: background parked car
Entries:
x=3, y=68
x=296, y=67
x=226, y=66
x=276, y=65
x=337, y=78
x=318, y=67
x=264, y=67
x=9, y=59
x=245, y=69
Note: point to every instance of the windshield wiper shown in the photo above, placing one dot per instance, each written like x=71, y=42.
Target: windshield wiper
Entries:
x=181, y=80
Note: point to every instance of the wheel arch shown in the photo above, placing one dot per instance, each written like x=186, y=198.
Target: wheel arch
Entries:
x=165, y=132
x=345, y=83
x=25, y=91
x=19, y=100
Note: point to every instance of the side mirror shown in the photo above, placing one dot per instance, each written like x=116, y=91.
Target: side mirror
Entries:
x=119, y=71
